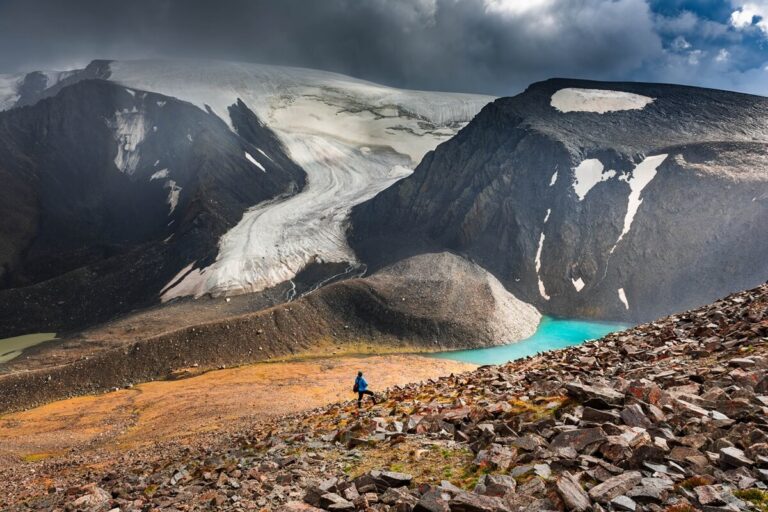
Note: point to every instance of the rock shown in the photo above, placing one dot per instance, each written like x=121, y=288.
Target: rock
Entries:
x=332, y=501
x=577, y=439
x=297, y=506
x=542, y=470
x=361, y=502
x=650, y=490
x=645, y=390
x=179, y=476
x=351, y=493
x=532, y=487
x=448, y=487
x=584, y=393
x=600, y=416
x=394, y=479
x=470, y=502
x=616, y=449
x=312, y=496
x=529, y=442
x=495, y=485
x=705, y=435
x=616, y=486
x=709, y=495
x=496, y=457
x=733, y=457
x=690, y=409
x=396, y=495
x=95, y=499
x=624, y=503
x=431, y=501
x=742, y=362
x=634, y=416
x=572, y=494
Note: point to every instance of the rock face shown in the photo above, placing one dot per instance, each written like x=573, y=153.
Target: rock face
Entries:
x=587, y=199
x=512, y=438
x=108, y=191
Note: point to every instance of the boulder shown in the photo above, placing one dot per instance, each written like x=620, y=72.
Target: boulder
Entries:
x=734, y=457
x=432, y=501
x=597, y=393
x=471, y=502
x=394, y=479
x=573, y=495
x=495, y=485
x=577, y=439
x=624, y=503
x=616, y=486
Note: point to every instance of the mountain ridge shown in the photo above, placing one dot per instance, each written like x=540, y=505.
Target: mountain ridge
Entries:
x=517, y=172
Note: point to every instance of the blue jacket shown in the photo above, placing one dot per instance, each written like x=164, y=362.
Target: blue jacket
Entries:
x=361, y=384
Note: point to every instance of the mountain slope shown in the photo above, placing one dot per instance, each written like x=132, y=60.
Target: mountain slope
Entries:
x=666, y=416
x=351, y=138
x=429, y=302
x=108, y=191
x=589, y=199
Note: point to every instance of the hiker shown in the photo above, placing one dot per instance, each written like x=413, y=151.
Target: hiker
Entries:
x=361, y=388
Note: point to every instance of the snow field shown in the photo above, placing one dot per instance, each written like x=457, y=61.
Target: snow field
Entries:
x=588, y=174
x=597, y=100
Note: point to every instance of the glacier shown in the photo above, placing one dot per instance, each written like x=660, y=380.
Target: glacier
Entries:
x=352, y=137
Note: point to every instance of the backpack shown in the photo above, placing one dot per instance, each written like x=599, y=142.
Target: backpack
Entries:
x=356, y=387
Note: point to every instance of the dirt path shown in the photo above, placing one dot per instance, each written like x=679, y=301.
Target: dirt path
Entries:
x=218, y=400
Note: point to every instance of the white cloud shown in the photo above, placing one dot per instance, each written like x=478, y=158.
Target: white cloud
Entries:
x=723, y=55
x=742, y=18
x=516, y=7
x=749, y=14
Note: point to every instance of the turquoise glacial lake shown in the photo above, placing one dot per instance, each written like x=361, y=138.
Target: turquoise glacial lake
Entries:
x=552, y=334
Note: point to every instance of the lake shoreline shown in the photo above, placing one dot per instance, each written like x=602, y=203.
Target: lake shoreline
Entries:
x=551, y=334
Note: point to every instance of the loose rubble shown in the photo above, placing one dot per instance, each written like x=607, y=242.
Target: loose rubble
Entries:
x=669, y=416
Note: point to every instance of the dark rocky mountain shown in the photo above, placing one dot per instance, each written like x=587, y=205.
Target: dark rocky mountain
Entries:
x=576, y=208
x=108, y=191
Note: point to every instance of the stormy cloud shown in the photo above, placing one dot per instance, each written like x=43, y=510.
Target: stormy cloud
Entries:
x=488, y=46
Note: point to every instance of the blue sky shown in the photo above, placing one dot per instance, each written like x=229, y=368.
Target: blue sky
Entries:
x=711, y=42
x=488, y=46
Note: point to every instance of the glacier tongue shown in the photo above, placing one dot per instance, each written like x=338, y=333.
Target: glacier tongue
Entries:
x=276, y=239
x=353, y=139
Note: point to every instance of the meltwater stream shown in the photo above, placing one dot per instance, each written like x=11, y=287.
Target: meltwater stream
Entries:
x=551, y=334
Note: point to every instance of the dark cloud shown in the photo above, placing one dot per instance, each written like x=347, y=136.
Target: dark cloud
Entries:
x=491, y=46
